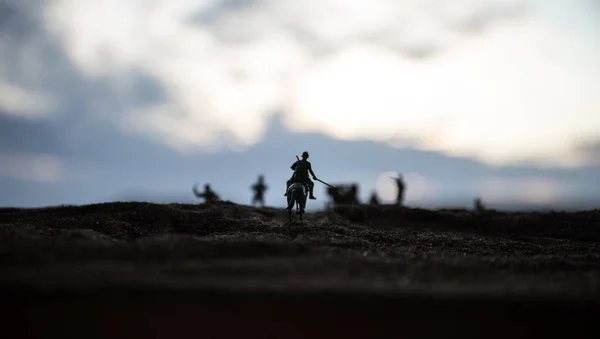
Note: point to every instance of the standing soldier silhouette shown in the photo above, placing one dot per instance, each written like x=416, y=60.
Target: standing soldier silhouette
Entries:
x=374, y=199
x=401, y=186
x=479, y=207
x=301, y=169
x=259, y=191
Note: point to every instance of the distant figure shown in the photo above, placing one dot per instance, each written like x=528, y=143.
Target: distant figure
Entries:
x=301, y=169
x=401, y=186
x=479, y=207
x=344, y=194
x=354, y=193
x=208, y=195
x=374, y=199
x=259, y=191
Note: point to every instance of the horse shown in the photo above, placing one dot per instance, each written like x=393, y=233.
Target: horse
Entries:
x=297, y=193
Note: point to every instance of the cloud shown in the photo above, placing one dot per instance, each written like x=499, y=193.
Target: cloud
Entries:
x=590, y=151
x=19, y=102
x=35, y=65
x=6, y=14
x=524, y=190
x=415, y=28
x=33, y=167
x=17, y=96
x=207, y=75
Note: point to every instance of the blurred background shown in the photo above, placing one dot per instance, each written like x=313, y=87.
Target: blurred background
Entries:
x=138, y=100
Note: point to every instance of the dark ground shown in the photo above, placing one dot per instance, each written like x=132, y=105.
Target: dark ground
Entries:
x=225, y=270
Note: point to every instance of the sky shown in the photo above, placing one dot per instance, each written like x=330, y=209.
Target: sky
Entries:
x=105, y=100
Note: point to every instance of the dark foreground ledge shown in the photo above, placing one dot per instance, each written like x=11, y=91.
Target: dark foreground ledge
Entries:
x=214, y=313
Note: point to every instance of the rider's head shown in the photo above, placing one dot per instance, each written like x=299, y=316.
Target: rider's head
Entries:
x=305, y=155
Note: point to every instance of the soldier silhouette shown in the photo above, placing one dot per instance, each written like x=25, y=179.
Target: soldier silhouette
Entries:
x=401, y=186
x=374, y=199
x=208, y=195
x=479, y=207
x=301, y=169
x=259, y=191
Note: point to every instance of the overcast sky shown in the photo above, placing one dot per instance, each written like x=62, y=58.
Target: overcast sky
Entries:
x=87, y=86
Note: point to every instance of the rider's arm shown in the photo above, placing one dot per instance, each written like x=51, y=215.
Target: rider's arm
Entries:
x=311, y=171
x=294, y=166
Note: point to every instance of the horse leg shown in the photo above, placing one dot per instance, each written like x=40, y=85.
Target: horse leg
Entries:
x=298, y=198
x=303, y=203
x=290, y=202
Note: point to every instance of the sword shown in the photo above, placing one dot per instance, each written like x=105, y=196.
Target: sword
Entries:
x=319, y=179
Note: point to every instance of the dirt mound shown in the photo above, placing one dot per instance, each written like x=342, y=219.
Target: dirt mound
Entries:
x=131, y=220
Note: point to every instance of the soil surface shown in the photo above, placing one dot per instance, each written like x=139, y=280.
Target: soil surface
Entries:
x=223, y=270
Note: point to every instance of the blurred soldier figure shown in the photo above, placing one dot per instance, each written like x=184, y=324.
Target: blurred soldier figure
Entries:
x=208, y=195
x=374, y=199
x=479, y=207
x=344, y=194
x=259, y=191
x=401, y=186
